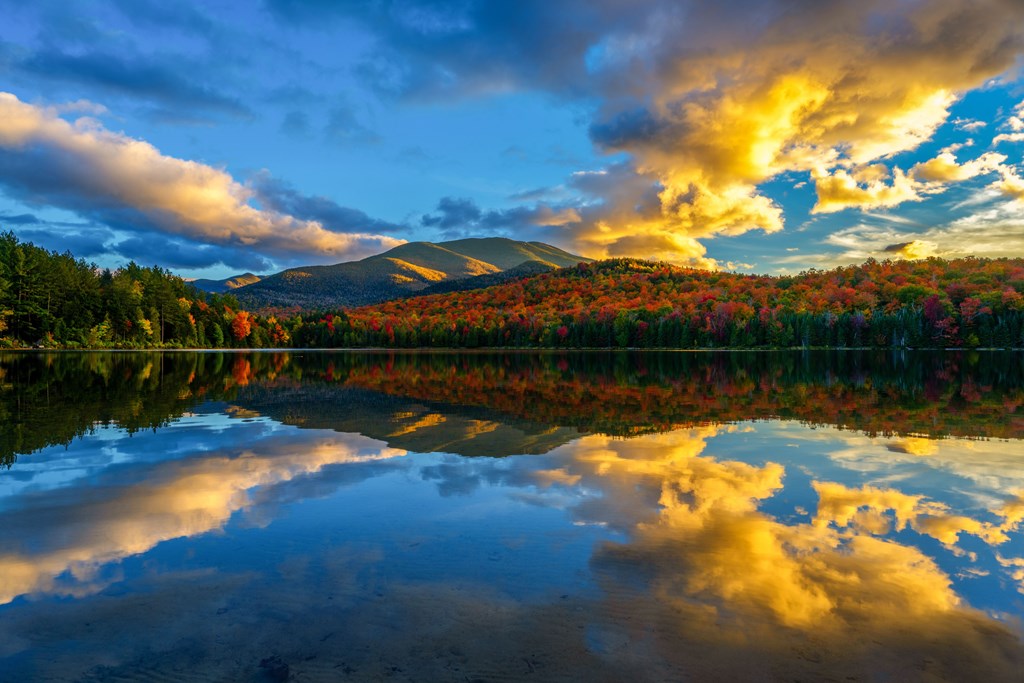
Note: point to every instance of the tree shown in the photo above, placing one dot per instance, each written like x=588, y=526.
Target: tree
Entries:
x=241, y=326
x=216, y=335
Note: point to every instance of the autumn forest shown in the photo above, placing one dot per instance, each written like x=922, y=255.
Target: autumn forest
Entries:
x=55, y=300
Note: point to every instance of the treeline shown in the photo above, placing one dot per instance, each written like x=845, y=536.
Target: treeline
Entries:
x=55, y=300
x=51, y=299
x=628, y=303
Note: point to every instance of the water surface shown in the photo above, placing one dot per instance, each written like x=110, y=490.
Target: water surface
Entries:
x=534, y=516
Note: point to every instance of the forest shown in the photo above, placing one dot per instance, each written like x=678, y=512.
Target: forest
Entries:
x=54, y=300
x=629, y=303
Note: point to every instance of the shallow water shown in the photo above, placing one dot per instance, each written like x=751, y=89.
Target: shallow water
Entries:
x=522, y=516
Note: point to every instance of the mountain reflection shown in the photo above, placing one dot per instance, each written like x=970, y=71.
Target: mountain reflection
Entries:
x=527, y=402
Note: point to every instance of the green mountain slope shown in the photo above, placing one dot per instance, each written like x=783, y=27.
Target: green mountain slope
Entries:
x=402, y=271
x=506, y=253
x=227, y=284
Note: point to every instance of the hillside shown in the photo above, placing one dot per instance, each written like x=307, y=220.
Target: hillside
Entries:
x=523, y=270
x=629, y=303
x=399, y=272
x=225, y=285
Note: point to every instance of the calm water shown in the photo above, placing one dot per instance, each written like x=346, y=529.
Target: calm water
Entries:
x=679, y=516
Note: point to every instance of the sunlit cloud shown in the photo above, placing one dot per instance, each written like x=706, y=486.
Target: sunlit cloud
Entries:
x=130, y=185
x=115, y=519
x=867, y=509
x=721, y=569
x=969, y=125
x=841, y=190
x=994, y=229
x=722, y=111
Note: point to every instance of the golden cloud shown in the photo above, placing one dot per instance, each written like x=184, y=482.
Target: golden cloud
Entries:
x=829, y=89
x=914, y=249
x=718, y=572
x=180, y=498
x=914, y=445
x=945, y=169
x=840, y=190
x=94, y=169
x=1011, y=185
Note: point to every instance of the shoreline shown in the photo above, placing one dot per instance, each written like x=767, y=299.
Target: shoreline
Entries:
x=505, y=349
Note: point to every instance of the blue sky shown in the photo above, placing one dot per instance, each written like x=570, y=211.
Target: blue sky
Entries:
x=214, y=138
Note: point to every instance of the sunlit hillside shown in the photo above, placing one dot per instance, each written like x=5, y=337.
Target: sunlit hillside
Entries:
x=630, y=303
x=404, y=270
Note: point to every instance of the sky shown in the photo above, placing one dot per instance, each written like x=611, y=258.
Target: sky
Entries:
x=767, y=136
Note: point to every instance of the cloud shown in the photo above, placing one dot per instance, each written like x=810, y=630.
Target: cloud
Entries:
x=945, y=169
x=129, y=185
x=993, y=232
x=282, y=197
x=867, y=509
x=841, y=190
x=914, y=249
x=459, y=217
x=1008, y=137
x=720, y=570
x=176, y=253
x=117, y=518
x=141, y=76
x=707, y=107
x=1011, y=185
x=453, y=212
x=83, y=241
x=295, y=124
x=20, y=219
x=969, y=125
x=868, y=187
x=344, y=128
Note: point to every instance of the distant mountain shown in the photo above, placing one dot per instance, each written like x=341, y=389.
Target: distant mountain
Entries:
x=227, y=284
x=404, y=271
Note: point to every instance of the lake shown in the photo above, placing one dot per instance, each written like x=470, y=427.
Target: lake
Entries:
x=311, y=516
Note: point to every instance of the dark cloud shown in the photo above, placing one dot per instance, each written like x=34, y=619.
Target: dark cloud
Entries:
x=147, y=77
x=457, y=217
x=536, y=194
x=20, y=219
x=443, y=49
x=280, y=196
x=295, y=124
x=453, y=212
x=634, y=126
x=156, y=14
x=82, y=241
x=147, y=248
x=343, y=127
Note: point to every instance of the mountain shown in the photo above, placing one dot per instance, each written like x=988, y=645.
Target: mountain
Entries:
x=523, y=270
x=403, y=271
x=227, y=284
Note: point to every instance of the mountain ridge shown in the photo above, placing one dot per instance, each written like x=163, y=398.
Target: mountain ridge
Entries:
x=403, y=271
x=227, y=284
